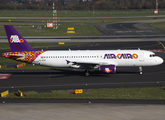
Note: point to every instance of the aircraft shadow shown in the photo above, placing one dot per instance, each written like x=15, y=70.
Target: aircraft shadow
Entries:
x=70, y=72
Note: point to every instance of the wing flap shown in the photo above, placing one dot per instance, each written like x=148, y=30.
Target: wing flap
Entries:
x=85, y=63
x=88, y=62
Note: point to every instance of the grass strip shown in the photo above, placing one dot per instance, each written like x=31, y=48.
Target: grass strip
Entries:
x=27, y=67
x=19, y=22
x=41, y=45
x=74, y=13
x=80, y=30
x=150, y=93
x=109, y=20
x=8, y=61
x=160, y=25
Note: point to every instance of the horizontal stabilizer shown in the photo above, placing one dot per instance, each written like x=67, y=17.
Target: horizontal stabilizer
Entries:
x=19, y=56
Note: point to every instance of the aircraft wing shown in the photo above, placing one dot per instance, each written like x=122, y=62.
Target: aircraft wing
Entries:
x=88, y=63
x=106, y=67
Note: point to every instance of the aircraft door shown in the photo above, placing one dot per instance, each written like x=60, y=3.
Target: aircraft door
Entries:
x=141, y=56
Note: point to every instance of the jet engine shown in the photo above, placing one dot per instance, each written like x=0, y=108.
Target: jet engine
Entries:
x=109, y=69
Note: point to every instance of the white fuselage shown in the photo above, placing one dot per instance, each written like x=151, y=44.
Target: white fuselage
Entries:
x=119, y=58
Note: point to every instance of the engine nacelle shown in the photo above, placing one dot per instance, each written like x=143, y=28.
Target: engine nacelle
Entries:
x=109, y=69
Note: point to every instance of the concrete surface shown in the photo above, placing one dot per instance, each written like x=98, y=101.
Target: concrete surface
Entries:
x=82, y=111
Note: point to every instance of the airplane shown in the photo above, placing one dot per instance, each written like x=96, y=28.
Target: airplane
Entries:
x=105, y=61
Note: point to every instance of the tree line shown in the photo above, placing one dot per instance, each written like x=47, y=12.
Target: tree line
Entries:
x=80, y=5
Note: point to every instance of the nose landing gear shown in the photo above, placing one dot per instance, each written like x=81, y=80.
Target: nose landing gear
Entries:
x=140, y=71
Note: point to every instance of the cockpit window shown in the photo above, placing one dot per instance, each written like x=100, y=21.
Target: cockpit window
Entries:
x=152, y=55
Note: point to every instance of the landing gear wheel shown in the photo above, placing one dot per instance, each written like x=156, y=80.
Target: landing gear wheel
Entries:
x=86, y=73
x=140, y=71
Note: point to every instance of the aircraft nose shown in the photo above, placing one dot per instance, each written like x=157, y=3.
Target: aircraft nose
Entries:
x=160, y=60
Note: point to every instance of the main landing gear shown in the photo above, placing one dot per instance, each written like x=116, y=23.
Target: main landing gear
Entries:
x=140, y=70
x=87, y=72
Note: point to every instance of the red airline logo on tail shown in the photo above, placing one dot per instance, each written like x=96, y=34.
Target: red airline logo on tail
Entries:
x=15, y=39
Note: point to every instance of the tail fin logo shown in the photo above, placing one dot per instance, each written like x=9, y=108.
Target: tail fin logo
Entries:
x=15, y=39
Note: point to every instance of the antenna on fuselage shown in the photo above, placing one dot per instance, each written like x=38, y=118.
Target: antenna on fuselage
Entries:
x=69, y=49
x=138, y=48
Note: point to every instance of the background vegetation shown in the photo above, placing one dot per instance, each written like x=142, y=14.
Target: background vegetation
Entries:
x=79, y=5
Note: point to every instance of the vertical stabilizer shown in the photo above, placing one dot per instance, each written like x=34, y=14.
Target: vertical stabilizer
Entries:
x=16, y=41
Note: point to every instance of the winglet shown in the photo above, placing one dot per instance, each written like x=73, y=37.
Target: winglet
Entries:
x=16, y=41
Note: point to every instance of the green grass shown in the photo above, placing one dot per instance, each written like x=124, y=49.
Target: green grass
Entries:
x=27, y=67
x=20, y=22
x=8, y=61
x=41, y=44
x=4, y=45
x=160, y=25
x=151, y=93
x=52, y=44
x=109, y=20
x=80, y=30
x=69, y=13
